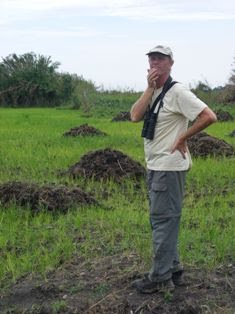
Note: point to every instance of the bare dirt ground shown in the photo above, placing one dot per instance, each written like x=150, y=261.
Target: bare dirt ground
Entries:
x=203, y=145
x=223, y=115
x=107, y=164
x=52, y=198
x=104, y=286
x=232, y=134
x=122, y=116
x=84, y=130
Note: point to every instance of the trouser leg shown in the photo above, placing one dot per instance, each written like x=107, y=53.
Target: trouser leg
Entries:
x=176, y=266
x=165, y=194
x=165, y=234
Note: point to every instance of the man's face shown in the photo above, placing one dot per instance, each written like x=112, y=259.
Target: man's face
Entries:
x=160, y=62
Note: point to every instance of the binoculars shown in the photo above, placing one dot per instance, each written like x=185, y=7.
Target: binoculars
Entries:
x=149, y=125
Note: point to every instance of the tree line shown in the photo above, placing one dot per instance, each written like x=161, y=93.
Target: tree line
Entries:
x=31, y=80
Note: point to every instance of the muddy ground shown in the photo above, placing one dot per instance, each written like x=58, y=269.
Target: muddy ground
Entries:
x=84, y=130
x=203, y=145
x=104, y=286
x=105, y=164
x=232, y=134
x=223, y=115
x=49, y=197
x=122, y=116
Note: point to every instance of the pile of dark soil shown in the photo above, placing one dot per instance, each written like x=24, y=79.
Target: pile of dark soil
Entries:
x=104, y=287
x=122, y=116
x=84, y=130
x=107, y=164
x=202, y=145
x=223, y=115
x=51, y=198
x=232, y=134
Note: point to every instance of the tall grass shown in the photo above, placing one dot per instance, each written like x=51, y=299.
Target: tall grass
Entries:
x=33, y=149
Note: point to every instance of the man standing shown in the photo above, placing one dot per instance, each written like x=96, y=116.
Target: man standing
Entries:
x=168, y=160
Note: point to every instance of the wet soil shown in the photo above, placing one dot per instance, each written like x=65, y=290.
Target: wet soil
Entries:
x=232, y=134
x=122, y=116
x=51, y=198
x=104, y=286
x=223, y=115
x=84, y=130
x=203, y=145
x=105, y=164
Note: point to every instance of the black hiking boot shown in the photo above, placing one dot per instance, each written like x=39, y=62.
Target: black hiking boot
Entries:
x=177, y=277
x=145, y=285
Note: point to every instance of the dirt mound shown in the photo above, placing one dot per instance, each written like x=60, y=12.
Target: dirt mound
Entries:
x=104, y=286
x=202, y=145
x=232, y=134
x=223, y=115
x=84, y=130
x=105, y=164
x=122, y=116
x=51, y=198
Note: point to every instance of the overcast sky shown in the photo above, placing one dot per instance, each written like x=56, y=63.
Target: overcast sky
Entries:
x=106, y=41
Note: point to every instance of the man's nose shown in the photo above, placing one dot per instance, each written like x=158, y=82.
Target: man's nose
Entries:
x=155, y=63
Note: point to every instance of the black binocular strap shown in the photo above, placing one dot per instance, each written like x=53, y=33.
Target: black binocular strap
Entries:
x=168, y=84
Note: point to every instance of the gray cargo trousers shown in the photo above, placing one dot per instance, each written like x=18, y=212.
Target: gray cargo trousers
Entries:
x=166, y=191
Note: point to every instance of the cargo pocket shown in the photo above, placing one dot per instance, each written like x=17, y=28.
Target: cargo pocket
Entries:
x=160, y=200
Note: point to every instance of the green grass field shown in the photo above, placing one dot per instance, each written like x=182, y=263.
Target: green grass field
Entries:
x=33, y=149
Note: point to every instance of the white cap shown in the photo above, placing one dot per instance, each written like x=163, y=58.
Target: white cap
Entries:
x=161, y=49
